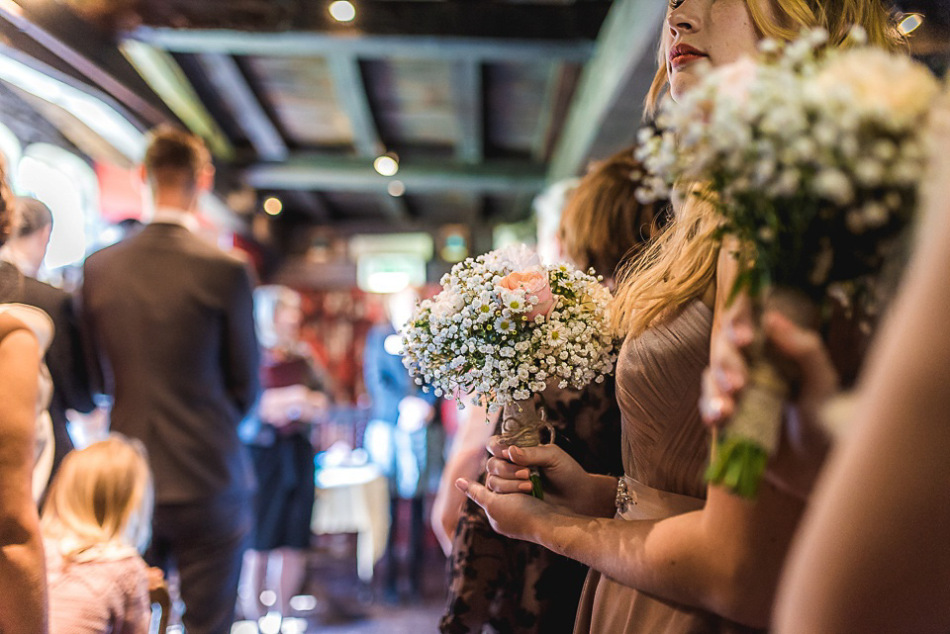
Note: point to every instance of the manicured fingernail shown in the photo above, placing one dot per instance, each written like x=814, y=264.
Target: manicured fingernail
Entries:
x=523, y=474
x=462, y=485
x=525, y=486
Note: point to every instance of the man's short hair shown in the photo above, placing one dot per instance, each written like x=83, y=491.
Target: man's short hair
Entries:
x=175, y=158
x=30, y=215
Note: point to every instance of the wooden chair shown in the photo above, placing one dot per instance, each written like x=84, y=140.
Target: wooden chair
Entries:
x=161, y=608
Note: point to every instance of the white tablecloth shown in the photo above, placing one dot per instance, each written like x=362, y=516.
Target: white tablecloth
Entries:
x=354, y=500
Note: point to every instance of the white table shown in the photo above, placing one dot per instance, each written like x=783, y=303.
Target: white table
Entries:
x=354, y=500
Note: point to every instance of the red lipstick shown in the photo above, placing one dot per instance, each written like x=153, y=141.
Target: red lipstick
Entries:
x=683, y=54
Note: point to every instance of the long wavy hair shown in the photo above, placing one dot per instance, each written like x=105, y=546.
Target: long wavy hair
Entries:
x=680, y=264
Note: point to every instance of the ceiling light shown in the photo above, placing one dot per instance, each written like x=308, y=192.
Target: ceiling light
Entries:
x=386, y=164
x=273, y=206
x=910, y=23
x=342, y=11
x=396, y=188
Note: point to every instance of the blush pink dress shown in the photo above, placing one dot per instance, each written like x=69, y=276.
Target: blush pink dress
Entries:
x=665, y=449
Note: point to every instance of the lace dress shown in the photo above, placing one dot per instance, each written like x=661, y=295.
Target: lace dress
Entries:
x=503, y=585
x=665, y=448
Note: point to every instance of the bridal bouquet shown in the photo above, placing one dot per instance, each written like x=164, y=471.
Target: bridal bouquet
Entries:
x=813, y=159
x=503, y=328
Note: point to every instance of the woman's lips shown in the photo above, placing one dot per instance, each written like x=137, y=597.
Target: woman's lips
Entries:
x=683, y=54
x=681, y=60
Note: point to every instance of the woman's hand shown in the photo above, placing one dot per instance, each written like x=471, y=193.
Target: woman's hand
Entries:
x=803, y=444
x=515, y=516
x=564, y=481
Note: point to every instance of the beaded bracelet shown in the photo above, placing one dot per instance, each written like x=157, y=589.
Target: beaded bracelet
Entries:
x=623, y=498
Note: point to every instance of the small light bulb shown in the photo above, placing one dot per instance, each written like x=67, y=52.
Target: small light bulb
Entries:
x=910, y=23
x=273, y=206
x=396, y=188
x=342, y=11
x=386, y=165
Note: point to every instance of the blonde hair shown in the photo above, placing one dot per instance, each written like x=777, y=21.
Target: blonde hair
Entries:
x=784, y=20
x=603, y=221
x=678, y=266
x=681, y=262
x=102, y=494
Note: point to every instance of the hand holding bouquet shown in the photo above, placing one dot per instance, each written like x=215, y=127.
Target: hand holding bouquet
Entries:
x=812, y=159
x=503, y=328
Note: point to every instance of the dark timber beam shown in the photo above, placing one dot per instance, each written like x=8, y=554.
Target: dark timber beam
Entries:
x=320, y=173
x=351, y=93
x=165, y=76
x=231, y=84
x=491, y=19
x=300, y=44
x=616, y=77
x=469, y=108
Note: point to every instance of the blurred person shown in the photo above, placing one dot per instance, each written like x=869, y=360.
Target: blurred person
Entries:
x=404, y=437
x=24, y=333
x=294, y=398
x=22, y=257
x=96, y=524
x=170, y=319
x=500, y=584
x=872, y=554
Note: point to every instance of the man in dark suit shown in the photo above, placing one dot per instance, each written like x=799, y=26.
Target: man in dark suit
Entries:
x=171, y=319
x=21, y=257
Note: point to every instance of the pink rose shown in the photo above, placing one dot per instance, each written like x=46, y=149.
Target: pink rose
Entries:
x=534, y=282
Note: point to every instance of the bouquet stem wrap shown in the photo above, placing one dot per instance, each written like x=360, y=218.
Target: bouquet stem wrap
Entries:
x=521, y=425
x=743, y=447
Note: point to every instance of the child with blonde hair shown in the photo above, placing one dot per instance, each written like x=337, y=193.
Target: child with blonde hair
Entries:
x=96, y=524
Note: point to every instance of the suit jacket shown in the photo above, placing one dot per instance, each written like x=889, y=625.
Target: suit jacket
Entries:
x=65, y=359
x=170, y=319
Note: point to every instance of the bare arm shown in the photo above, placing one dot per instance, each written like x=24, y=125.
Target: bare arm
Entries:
x=22, y=566
x=725, y=558
x=873, y=553
x=467, y=460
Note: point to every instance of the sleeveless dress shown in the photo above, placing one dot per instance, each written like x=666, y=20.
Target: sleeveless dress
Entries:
x=665, y=448
x=42, y=327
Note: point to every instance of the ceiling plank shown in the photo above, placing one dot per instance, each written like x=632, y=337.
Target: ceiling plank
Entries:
x=231, y=84
x=351, y=92
x=620, y=68
x=301, y=44
x=166, y=78
x=328, y=174
x=467, y=93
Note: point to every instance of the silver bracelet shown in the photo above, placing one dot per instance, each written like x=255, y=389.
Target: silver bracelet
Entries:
x=623, y=498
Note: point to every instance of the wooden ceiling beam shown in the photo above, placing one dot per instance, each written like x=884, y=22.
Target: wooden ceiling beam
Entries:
x=354, y=101
x=340, y=174
x=307, y=44
x=490, y=19
x=468, y=95
x=167, y=79
x=231, y=84
x=617, y=76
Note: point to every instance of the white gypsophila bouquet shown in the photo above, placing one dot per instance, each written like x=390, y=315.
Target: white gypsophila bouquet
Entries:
x=505, y=326
x=812, y=157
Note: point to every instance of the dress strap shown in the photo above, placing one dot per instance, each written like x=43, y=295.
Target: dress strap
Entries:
x=637, y=501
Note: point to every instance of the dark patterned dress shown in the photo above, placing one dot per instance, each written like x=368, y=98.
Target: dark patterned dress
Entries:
x=501, y=585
